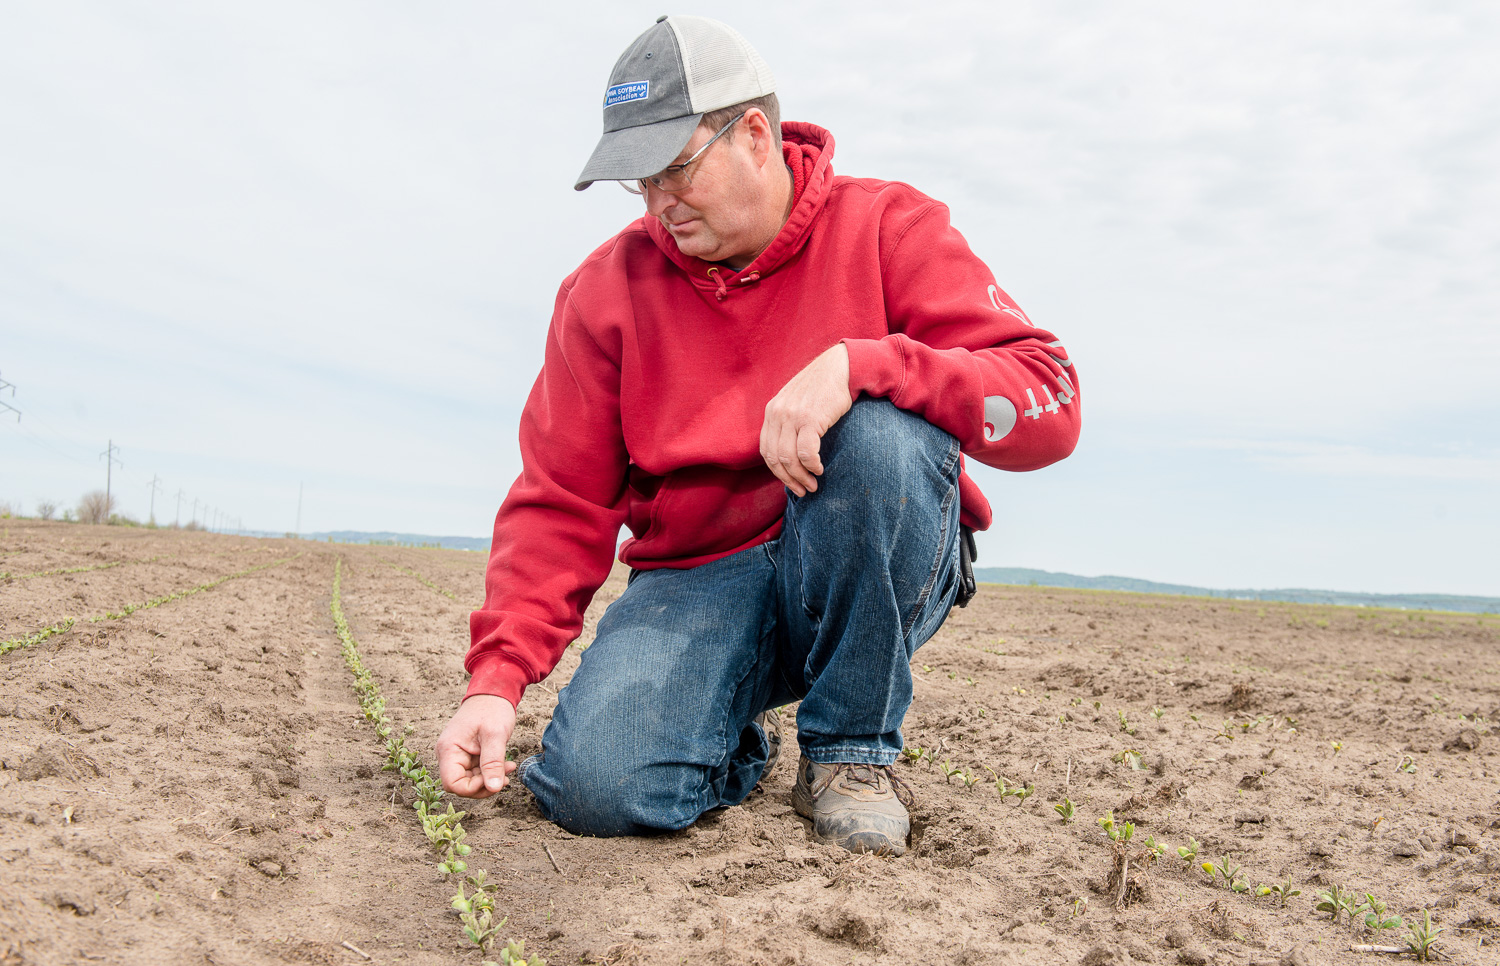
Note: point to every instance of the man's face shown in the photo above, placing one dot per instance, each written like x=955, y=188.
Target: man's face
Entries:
x=718, y=217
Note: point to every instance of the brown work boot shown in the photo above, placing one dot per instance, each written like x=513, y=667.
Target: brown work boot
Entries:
x=770, y=723
x=861, y=808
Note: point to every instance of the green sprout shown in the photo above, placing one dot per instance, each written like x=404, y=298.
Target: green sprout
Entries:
x=477, y=912
x=1228, y=872
x=1333, y=901
x=1408, y=764
x=1189, y=852
x=1375, y=918
x=1158, y=849
x=1157, y=712
x=1065, y=809
x=513, y=953
x=1121, y=833
x=1423, y=937
x=949, y=770
x=1125, y=725
x=1281, y=890
x=1338, y=746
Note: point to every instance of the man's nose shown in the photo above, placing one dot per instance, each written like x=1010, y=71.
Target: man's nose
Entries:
x=657, y=200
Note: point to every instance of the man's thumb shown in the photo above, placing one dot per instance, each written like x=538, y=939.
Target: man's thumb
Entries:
x=493, y=770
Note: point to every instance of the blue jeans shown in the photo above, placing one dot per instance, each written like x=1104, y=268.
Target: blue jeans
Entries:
x=655, y=728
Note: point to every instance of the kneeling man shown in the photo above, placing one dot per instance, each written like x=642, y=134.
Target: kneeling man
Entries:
x=771, y=378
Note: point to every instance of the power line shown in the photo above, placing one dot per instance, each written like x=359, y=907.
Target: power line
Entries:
x=109, y=456
x=5, y=406
x=155, y=485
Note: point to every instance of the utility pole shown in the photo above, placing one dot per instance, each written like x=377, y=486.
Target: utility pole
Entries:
x=4, y=386
x=109, y=457
x=299, y=510
x=155, y=485
x=195, y=510
x=177, y=520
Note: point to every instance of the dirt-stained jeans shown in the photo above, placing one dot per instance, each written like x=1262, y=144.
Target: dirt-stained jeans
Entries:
x=655, y=727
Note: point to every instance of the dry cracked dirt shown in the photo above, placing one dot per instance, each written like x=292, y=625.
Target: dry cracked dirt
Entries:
x=193, y=782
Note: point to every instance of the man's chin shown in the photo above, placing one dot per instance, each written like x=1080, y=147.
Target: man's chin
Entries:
x=695, y=244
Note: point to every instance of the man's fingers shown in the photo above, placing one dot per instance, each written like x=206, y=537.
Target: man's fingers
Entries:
x=786, y=452
x=471, y=750
x=808, y=445
x=455, y=763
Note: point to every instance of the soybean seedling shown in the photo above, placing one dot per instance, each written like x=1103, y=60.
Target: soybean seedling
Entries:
x=1157, y=712
x=1189, y=852
x=1129, y=757
x=1125, y=725
x=1281, y=890
x=1065, y=809
x=1408, y=764
x=513, y=953
x=949, y=770
x=1225, y=869
x=1157, y=848
x=1375, y=918
x=1117, y=833
x=1423, y=937
x=1333, y=901
x=1338, y=746
x=477, y=911
x=915, y=754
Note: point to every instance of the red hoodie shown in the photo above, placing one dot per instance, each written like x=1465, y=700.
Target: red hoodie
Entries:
x=658, y=368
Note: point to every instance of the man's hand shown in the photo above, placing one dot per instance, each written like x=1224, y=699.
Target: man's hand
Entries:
x=471, y=750
x=799, y=415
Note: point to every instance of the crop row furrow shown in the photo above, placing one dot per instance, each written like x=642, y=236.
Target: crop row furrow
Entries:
x=412, y=573
x=444, y=830
x=78, y=570
x=36, y=638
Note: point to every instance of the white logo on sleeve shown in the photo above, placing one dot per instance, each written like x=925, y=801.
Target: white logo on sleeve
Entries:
x=999, y=418
x=1014, y=311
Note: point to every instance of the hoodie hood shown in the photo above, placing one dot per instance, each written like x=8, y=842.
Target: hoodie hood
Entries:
x=808, y=151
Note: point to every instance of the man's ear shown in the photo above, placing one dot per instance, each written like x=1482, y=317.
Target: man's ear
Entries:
x=762, y=144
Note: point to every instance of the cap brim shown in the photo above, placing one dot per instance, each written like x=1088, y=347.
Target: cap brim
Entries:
x=637, y=152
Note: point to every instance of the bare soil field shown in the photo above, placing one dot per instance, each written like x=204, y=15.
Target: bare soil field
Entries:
x=195, y=782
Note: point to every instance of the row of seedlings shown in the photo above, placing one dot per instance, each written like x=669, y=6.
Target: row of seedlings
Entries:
x=16, y=643
x=444, y=829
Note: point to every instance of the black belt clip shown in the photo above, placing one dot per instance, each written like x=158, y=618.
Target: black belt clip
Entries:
x=967, y=554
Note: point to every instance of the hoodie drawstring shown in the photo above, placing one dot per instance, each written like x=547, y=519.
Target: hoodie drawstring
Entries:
x=723, y=292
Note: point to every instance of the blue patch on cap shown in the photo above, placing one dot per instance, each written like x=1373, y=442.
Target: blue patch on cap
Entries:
x=625, y=93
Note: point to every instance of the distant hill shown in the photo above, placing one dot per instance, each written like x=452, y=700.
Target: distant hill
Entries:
x=1022, y=576
x=1047, y=578
x=401, y=539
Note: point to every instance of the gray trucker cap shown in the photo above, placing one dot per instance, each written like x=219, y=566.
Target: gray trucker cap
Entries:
x=674, y=73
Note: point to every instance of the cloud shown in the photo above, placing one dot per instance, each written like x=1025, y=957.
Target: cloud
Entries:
x=278, y=242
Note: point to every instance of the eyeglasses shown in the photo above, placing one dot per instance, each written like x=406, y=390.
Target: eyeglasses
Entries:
x=674, y=177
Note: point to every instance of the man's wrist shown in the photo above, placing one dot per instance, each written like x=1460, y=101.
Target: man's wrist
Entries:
x=493, y=674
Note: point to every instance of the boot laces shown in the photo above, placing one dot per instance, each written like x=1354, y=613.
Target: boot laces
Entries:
x=874, y=776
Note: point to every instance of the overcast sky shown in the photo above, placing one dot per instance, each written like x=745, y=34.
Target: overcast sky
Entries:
x=271, y=244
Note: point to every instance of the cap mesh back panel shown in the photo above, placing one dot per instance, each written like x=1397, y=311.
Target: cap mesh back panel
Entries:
x=721, y=66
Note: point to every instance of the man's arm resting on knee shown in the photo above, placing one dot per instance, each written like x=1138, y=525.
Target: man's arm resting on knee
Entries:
x=962, y=355
x=471, y=750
